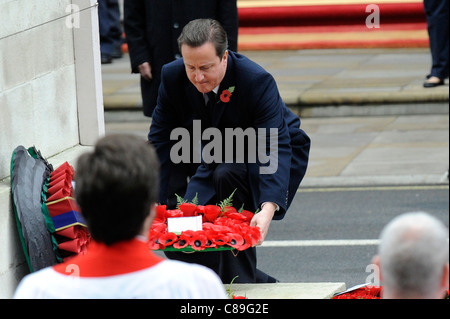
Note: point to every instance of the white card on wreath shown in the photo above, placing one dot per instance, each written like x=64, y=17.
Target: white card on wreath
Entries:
x=179, y=224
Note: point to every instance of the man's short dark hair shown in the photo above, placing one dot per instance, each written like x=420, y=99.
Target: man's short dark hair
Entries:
x=200, y=31
x=116, y=184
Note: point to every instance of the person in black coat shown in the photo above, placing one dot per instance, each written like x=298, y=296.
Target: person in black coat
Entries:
x=152, y=28
x=438, y=31
x=110, y=30
x=211, y=92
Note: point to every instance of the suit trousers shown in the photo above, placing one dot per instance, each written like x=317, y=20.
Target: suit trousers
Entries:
x=228, y=264
x=109, y=25
x=437, y=12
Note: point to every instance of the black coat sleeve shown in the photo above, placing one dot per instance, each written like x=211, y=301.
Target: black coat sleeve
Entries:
x=135, y=24
x=228, y=17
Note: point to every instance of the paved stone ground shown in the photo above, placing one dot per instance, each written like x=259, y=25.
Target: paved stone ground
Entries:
x=326, y=78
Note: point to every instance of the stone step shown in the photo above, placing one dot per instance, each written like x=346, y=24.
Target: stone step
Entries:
x=320, y=290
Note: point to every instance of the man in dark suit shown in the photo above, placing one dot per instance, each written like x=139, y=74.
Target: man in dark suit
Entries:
x=152, y=28
x=224, y=92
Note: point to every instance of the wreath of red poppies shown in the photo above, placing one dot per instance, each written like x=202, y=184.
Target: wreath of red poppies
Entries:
x=223, y=228
x=365, y=292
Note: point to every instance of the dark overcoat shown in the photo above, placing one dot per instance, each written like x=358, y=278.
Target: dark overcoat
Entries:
x=255, y=103
x=152, y=28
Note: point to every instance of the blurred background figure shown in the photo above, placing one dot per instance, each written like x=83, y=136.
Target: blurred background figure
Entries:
x=437, y=20
x=152, y=28
x=117, y=188
x=413, y=257
x=110, y=30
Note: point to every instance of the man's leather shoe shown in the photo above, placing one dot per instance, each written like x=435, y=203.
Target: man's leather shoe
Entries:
x=106, y=58
x=433, y=82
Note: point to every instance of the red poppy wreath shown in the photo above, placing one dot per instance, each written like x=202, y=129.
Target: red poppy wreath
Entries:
x=223, y=228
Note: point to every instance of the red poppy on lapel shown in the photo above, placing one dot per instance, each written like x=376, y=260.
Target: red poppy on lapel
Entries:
x=226, y=94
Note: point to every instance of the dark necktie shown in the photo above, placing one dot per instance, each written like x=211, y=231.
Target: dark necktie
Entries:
x=209, y=108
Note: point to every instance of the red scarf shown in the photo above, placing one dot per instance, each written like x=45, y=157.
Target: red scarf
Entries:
x=102, y=260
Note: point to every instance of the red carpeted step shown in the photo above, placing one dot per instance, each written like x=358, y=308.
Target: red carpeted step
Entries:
x=329, y=14
x=331, y=26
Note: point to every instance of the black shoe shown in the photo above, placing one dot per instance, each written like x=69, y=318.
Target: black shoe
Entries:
x=106, y=58
x=429, y=84
x=117, y=52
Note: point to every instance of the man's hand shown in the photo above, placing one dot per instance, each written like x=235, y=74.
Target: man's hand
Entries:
x=262, y=219
x=145, y=70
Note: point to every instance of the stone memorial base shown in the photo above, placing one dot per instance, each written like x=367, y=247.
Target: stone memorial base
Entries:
x=323, y=290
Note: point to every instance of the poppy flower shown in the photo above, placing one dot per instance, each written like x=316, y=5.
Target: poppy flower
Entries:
x=210, y=235
x=225, y=96
x=219, y=228
x=248, y=242
x=237, y=216
x=211, y=212
x=188, y=209
x=153, y=243
x=235, y=240
x=255, y=234
x=229, y=209
x=183, y=240
x=161, y=212
x=248, y=214
x=367, y=292
x=199, y=210
x=207, y=226
x=174, y=213
x=167, y=239
x=221, y=239
x=223, y=221
x=159, y=227
x=198, y=241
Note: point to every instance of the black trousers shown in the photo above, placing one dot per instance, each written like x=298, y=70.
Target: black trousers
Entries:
x=229, y=264
x=438, y=30
x=109, y=25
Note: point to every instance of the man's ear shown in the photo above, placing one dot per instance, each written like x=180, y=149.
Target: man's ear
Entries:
x=225, y=56
x=445, y=277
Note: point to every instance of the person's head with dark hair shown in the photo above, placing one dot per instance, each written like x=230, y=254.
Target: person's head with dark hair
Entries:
x=117, y=186
x=203, y=44
x=200, y=31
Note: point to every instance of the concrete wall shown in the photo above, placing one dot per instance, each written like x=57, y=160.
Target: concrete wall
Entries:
x=50, y=97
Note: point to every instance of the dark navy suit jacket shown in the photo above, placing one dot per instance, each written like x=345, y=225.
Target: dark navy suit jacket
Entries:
x=254, y=103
